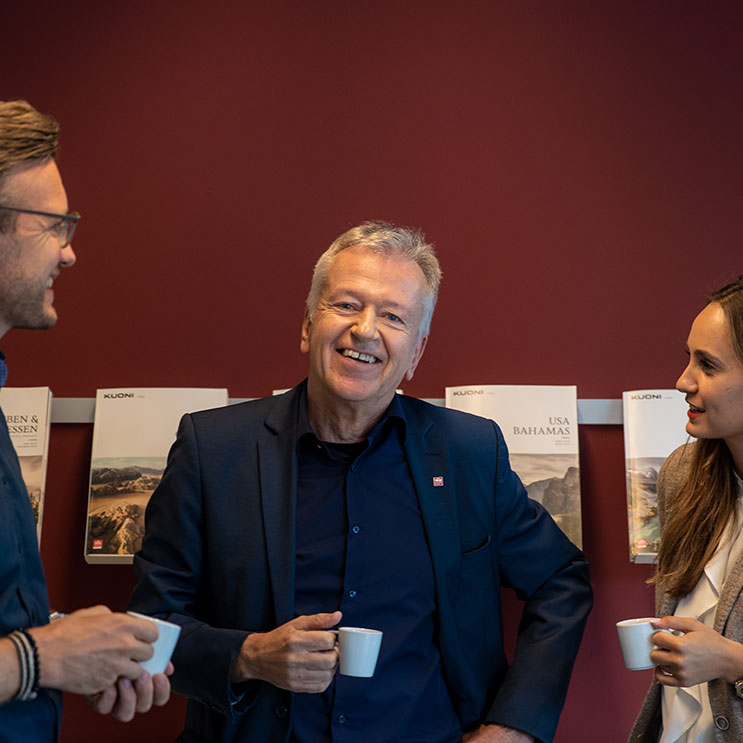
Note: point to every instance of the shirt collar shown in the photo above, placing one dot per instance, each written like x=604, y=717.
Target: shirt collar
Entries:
x=394, y=413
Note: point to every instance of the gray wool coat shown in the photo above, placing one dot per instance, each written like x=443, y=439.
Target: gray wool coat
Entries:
x=727, y=707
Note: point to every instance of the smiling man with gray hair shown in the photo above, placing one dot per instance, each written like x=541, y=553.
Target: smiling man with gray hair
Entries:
x=342, y=501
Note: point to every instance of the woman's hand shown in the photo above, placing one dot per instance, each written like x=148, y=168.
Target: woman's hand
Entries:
x=699, y=654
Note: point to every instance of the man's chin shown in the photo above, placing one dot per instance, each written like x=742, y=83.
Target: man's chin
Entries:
x=362, y=394
x=42, y=322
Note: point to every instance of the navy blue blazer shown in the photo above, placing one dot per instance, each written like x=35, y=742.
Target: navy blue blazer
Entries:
x=218, y=559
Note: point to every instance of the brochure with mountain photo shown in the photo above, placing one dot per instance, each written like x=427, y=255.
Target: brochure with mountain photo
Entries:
x=28, y=413
x=540, y=426
x=133, y=432
x=654, y=425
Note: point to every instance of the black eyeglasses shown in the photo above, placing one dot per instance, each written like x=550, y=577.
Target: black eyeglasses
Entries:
x=63, y=229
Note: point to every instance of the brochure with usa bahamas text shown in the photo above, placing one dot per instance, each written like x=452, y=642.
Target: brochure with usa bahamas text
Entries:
x=540, y=426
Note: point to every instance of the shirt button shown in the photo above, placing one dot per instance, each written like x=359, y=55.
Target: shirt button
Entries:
x=340, y=719
x=352, y=594
x=355, y=528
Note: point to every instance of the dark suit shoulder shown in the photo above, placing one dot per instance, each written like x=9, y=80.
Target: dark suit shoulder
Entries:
x=452, y=424
x=237, y=411
x=275, y=412
x=442, y=415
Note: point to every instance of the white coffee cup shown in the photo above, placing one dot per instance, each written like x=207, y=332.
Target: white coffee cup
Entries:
x=163, y=646
x=635, y=638
x=358, y=649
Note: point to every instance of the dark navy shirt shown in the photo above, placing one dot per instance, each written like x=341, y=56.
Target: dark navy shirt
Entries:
x=23, y=595
x=361, y=548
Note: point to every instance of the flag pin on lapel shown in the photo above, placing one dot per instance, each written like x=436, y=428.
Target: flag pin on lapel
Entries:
x=438, y=482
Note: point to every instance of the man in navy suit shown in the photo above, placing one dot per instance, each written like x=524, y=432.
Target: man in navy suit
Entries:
x=343, y=502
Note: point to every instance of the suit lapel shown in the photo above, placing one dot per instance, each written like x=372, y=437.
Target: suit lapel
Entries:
x=277, y=471
x=435, y=488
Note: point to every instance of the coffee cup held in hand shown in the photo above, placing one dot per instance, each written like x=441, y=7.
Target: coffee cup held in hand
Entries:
x=358, y=649
x=635, y=638
x=164, y=645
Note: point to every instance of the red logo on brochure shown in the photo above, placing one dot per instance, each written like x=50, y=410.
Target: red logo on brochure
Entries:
x=438, y=482
x=641, y=542
x=97, y=544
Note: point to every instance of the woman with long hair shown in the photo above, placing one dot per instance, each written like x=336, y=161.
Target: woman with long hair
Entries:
x=697, y=691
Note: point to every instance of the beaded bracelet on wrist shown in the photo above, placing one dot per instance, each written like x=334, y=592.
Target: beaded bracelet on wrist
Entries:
x=28, y=659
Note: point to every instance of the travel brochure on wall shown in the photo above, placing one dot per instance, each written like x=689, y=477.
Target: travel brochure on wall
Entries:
x=540, y=426
x=133, y=432
x=28, y=412
x=654, y=425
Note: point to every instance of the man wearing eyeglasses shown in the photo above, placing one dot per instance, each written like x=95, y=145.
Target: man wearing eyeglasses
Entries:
x=92, y=651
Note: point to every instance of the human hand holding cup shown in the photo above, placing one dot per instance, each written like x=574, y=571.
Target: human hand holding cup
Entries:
x=635, y=638
x=358, y=650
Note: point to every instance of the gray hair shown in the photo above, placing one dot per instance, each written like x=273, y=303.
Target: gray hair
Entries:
x=386, y=239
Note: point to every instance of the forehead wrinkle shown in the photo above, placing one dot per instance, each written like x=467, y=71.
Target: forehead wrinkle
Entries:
x=361, y=281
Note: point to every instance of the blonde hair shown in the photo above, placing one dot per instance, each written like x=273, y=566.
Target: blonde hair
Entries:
x=25, y=134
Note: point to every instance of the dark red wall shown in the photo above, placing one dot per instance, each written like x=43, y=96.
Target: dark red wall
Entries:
x=578, y=165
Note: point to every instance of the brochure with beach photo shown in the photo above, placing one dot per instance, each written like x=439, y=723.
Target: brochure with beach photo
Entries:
x=28, y=413
x=133, y=432
x=540, y=426
x=654, y=425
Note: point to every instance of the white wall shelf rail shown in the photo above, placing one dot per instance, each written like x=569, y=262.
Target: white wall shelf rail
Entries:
x=590, y=411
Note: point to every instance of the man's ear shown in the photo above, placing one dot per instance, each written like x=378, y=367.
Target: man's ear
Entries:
x=417, y=356
x=304, y=343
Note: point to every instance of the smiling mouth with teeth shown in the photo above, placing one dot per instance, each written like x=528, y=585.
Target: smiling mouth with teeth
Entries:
x=365, y=357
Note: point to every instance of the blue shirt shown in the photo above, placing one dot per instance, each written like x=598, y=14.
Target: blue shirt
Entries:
x=361, y=548
x=23, y=596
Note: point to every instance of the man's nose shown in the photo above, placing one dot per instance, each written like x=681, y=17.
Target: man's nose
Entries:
x=68, y=256
x=365, y=326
